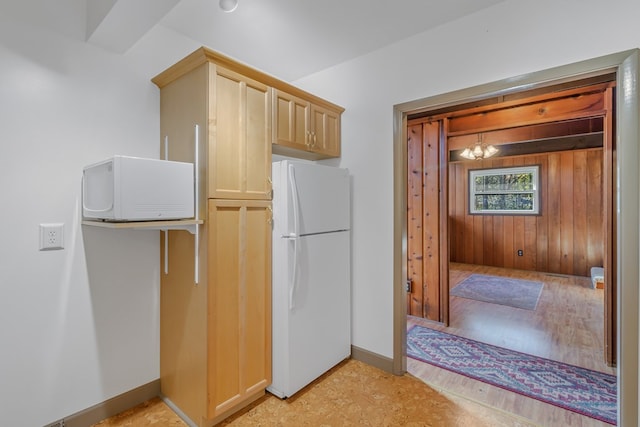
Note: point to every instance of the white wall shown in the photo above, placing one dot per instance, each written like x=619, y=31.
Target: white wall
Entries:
x=80, y=325
x=510, y=39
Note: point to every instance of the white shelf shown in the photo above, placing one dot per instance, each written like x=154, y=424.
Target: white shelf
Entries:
x=190, y=225
x=178, y=224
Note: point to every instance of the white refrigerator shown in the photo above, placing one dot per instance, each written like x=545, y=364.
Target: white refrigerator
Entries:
x=311, y=273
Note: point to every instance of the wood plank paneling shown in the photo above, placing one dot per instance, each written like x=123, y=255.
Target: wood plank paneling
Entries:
x=431, y=220
x=542, y=225
x=414, y=219
x=594, y=202
x=566, y=212
x=566, y=237
x=423, y=220
x=580, y=211
x=552, y=201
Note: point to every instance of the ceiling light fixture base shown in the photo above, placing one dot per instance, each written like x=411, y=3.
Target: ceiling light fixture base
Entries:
x=228, y=5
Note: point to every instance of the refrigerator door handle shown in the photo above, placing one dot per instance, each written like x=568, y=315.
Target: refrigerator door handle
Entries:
x=293, y=187
x=294, y=277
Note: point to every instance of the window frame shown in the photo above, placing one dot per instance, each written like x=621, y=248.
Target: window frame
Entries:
x=535, y=191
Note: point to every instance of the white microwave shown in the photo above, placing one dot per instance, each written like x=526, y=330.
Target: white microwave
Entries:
x=125, y=188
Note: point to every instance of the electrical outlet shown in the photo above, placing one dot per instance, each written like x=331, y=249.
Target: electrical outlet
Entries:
x=51, y=236
x=520, y=253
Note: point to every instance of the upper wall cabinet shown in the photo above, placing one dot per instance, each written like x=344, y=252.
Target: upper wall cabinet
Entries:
x=305, y=129
x=243, y=112
x=234, y=114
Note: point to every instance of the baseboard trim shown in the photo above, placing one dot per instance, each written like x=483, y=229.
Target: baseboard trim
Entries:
x=373, y=359
x=178, y=411
x=114, y=406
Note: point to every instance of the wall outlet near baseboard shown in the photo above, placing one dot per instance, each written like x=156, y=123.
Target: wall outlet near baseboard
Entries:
x=520, y=253
x=59, y=423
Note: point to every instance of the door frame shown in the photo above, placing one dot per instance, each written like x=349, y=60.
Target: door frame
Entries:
x=626, y=212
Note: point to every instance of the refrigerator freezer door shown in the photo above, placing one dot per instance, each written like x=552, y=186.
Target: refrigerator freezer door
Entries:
x=315, y=334
x=322, y=194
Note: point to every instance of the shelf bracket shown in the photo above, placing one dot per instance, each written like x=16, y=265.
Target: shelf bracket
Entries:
x=196, y=198
x=191, y=228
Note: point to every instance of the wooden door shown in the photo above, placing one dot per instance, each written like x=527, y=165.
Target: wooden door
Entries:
x=425, y=256
x=239, y=137
x=239, y=302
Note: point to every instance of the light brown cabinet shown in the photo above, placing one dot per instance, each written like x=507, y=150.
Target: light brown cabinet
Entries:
x=239, y=337
x=305, y=129
x=215, y=335
x=234, y=115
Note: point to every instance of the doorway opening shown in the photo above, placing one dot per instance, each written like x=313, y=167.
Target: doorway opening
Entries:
x=540, y=201
x=625, y=66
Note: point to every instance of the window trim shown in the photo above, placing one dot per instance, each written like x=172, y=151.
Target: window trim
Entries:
x=533, y=169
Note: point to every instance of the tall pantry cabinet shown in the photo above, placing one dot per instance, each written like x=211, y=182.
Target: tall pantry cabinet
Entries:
x=215, y=335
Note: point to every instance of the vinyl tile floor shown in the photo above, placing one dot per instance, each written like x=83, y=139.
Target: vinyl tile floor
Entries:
x=351, y=394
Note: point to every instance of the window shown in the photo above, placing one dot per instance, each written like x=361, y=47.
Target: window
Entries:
x=512, y=191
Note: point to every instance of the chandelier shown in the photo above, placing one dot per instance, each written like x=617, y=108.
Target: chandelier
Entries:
x=479, y=151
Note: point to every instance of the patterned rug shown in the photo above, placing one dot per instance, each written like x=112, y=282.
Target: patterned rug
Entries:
x=570, y=387
x=500, y=290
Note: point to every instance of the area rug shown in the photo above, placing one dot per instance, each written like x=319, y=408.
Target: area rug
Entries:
x=499, y=290
x=570, y=387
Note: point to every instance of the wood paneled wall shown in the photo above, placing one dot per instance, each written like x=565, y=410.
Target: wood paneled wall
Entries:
x=424, y=221
x=567, y=236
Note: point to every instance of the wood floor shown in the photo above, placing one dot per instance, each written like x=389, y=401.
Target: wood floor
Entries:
x=566, y=326
x=352, y=394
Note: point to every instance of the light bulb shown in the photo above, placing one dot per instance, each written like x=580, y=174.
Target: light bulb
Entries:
x=490, y=151
x=228, y=5
x=467, y=154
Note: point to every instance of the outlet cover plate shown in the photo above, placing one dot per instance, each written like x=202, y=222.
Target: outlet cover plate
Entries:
x=51, y=236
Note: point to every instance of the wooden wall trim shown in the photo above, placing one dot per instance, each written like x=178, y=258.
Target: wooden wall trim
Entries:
x=114, y=406
x=524, y=134
x=373, y=359
x=571, y=108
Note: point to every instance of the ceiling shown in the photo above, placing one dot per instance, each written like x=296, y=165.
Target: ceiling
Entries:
x=287, y=38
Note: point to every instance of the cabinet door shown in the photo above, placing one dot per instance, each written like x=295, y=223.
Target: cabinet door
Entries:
x=325, y=131
x=239, y=137
x=291, y=121
x=239, y=320
x=304, y=129
x=183, y=330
